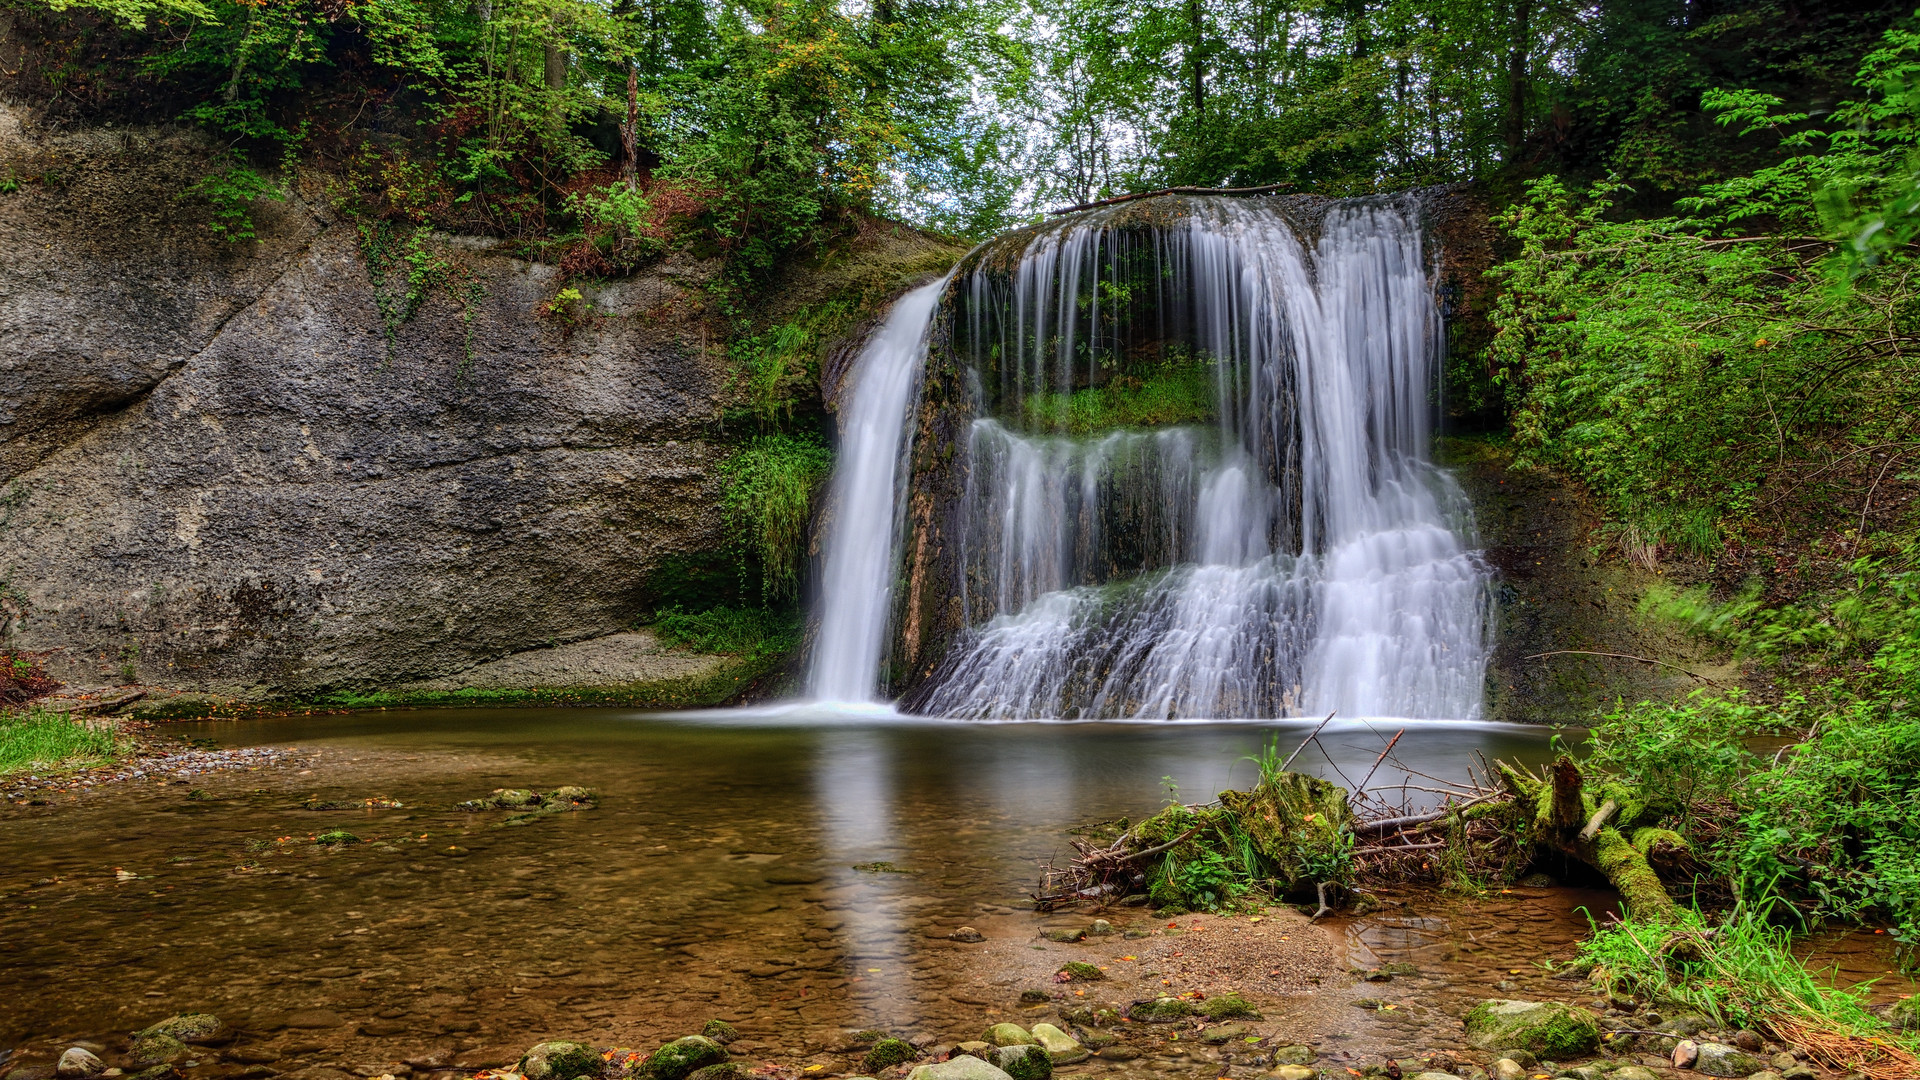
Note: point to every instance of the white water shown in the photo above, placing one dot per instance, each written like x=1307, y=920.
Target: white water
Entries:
x=855, y=583
x=1299, y=554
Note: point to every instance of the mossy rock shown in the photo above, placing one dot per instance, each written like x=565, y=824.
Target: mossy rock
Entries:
x=1035, y=997
x=725, y=1071
x=866, y=1038
x=965, y=1067
x=150, y=1049
x=1298, y=1054
x=1024, y=1062
x=203, y=1028
x=570, y=798
x=1548, y=1029
x=1007, y=1035
x=1091, y=1016
x=887, y=1053
x=681, y=1057
x=720, y=1031
x=1082, y=971
x=1164, y=1010
x=1904, y=1015
x=560, y=1059
x=503, y=799
x=1290, y=814
x=1228, y=1007
x=1061, y=1047
x=336, y=838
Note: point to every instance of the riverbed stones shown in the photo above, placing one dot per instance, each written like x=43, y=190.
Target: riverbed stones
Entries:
x=559, y=1060
x=960, y=1068
x=1633, y=1072
x=1719, y=1059
x=1061, y=1047
x=1007, y=1035
x=79, y=1063
x=1223, y=1033
x=677, y=1059
x=967, y=934
x=1160, y=1010
x=1024, y=1062
x=1508, y=1069
x=888, y=1052
x=1229, y=1006
x=150, y=1048
x=202, y=1028
x=1546, y=1028
x=1296, y=1054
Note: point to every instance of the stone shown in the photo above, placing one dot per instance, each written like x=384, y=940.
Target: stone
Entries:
x=1035, y=997
x=1472, y=1072
x=973, y=1047
x=968, y=934
x=1118, y=1052
x=1434, y=1076
x=723, y=1071
x=1297, y=1054
x=1024, y=1062
x=1100, y=928
x=1090, y=1016
x=1224, y=1033
x=959, y=1068
x=1683, y=1026
x=1075, y=969
x=200, y=1028
x=1292, y=1072
x=1061, y=1047
x=1546, y=1028
x=1750, y=1041
x=1719, y=1059
x=1782, y=1061
x=720, y=1031
x=1523, y=1058
x=1228, y=1006
x=1801, y=1071
x=1095, y=1039
x=887, y=1053
x=1633, y=1072
x=78, y=1063
x=559, y=1060
x=1068, y=935
x=1765, y=1074
x=679, y=1058
x=1685, y=1053
x=149, y=1049
x=1582, y=1072
x=1007, y=1035
x=1508, y=1069
x=1162, y=1010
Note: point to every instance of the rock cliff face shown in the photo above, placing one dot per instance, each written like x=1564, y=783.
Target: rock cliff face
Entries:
x=217, y=472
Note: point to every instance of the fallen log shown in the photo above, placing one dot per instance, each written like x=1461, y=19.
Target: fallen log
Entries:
x=1567, y=820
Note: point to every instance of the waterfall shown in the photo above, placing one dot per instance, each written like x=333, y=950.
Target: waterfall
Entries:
x=855, y=596
x=1196, y=477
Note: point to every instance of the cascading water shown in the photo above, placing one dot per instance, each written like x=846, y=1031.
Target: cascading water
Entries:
x=1196, y=480
x=855, y=597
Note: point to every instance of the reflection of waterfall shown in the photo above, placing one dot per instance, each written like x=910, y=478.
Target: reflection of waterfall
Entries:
x=1293, y=551
x=854, y=585
x=1195, y=481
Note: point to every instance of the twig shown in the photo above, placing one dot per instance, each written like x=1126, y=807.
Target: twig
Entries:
x=1867, y=504
x=1389, y=849
x=1303, y=744
x=1598, y=819
x=1388, y=824
x=1626, y=656
x=1162, y=847
x=1378, y=760
x=1171, y=191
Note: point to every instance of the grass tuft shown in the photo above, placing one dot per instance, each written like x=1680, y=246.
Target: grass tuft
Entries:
x=40, y=741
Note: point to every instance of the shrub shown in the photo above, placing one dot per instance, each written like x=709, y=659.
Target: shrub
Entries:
x=770, y=483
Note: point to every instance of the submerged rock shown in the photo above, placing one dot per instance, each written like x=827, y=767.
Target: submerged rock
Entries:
x=1078, y=933
x=1163, y=1010
x=1296, y=1054
x=1007, y=1035
x=888, y=1052
x=960, y=1068
x=79, y=1063
x=720, y=1031
x=967, y=934
x=203, y=1028
x=150, y=1048
x=1061, y=1047
x=1085, y=972
x=1546, y=1028
x=559, y=1060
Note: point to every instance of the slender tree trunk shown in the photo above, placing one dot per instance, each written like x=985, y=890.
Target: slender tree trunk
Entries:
x=1519, y=55
x=1195, y=63
x=630, y=131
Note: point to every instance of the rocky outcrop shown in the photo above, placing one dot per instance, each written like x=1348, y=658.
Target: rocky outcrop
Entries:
x=221, y=469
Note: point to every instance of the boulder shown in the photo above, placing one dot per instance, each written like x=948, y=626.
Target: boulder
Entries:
x=1163, y=1010
x=959, y=1068
x=1228, y=1007
x=720, y=1031
x=1007, y=1035
x=202, y=1028
x=1508, y=1069
x=1024, y=1062
x=1061, y=1047
x=1719, y=1059
x=79, y=1063
x=1297, y=1054
x=1100, y=928
x=888, y=1052
x=559, y=1060
x=1546, y=1028
x=150, y=1048
x=679, y=1058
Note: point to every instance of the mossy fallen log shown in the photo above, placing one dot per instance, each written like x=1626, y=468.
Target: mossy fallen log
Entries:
x=1588, y=826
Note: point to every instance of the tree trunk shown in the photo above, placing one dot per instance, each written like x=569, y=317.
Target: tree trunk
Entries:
x=1519, y=60
x=1566, y=822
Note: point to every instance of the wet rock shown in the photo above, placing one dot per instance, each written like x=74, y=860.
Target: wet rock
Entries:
x=78, y=1063
x=150, y=1048
x=1800, y=1071
x=724, y=1071
x=1372, y=975
x=502, y=799
x=1583, y=1072
x=1225, y=1033
x=1074, y=969
x=1508, y=1069
x=1683, y=1026
x=1904, y=1014
x=974, y=1048
x=1472, y=1072
x=1118, y=1052
x=201, y=1028
x=1633, y=1072
x=1097, y=1039
x=968, y=934
x=887, y=1053
x=1296, y=1054
x=1072, y=934
x=1007, y=1035
x=559, y=1060
x=1024, y=1062
x=1100, y=928
x=720, y=1031
x=1162, y=1010
x=1783, y=1061
x=1061, y=1047
x=1090, y=1016
x=1035, y=997
x=1719, y=1059
x=1546, y=1028
x=1750, y=1041
x=1765, y=1074
x=1685, y=1053
x=960, y=1068
x=336, y=838
x=677, y=1059
x=1292, y=1072
x=1434, y=1076
x=1229, y=1006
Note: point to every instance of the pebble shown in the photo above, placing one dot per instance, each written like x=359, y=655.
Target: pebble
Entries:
x=1685, y=1054
x=1508, y=1069
x=175, y=765
x=79, y=1062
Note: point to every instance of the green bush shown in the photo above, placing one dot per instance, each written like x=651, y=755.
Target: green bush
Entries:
x=770, y=483
x=735, y=631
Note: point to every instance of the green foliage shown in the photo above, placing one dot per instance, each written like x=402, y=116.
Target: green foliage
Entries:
x=405, y=273
x=1681, y=753
x=35, y=740
x=1176, y=392
x=231, y=193
x=770, y=484
x=734, y=631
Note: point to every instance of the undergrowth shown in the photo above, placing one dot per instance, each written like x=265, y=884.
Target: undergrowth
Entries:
x=734, y=631
x=1176, y=392
x=770, y=483
x=35, y=740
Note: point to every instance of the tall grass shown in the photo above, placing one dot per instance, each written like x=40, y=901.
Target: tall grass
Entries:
x=736, y=631
x=40, y=741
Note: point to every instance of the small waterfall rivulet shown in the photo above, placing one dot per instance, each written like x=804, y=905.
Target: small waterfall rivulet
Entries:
x=1187, y=476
